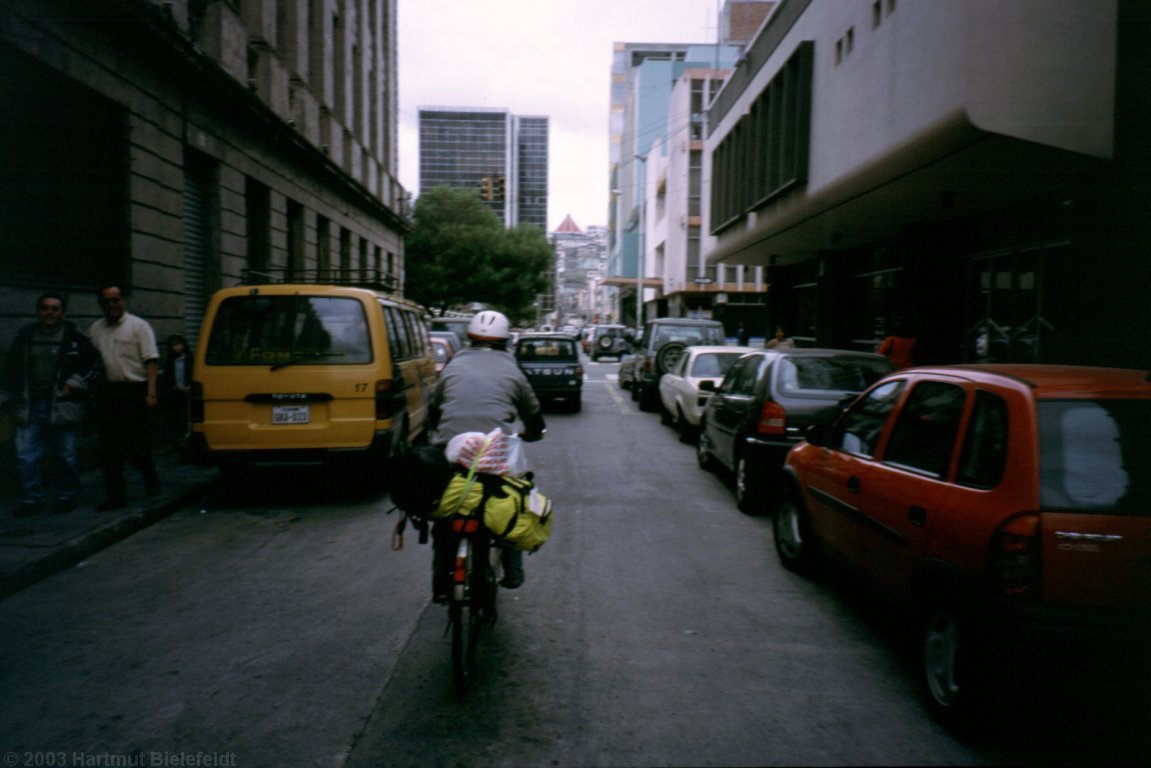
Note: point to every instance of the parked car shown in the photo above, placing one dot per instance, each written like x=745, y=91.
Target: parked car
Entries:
x=1005, y=506
x=451, y=338
x=552, y=364
x=626, y=373
x=766, y=401
x=457, y=325
x=681, y=397
x=443, y=351
x=663, y=341
x=608, y=341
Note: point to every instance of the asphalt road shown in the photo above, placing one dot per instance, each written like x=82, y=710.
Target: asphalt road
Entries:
x=274, y=626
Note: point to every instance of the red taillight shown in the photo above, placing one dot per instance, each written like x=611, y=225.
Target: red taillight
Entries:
x=772, y=419
x=1015, y=557
x=388, y=395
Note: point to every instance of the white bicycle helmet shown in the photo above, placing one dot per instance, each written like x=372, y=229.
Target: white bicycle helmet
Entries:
x=489, y=325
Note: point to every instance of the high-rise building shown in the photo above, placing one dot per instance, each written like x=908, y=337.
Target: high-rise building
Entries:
x=504, y=157
x=642, y=78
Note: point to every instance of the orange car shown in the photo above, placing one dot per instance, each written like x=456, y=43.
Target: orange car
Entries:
x=998, y=503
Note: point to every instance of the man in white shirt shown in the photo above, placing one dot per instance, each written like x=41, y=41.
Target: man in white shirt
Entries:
x=125, y=397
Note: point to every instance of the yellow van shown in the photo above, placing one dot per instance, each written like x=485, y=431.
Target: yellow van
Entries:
x=310, y=374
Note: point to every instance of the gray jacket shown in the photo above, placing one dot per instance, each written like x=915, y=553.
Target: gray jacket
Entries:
x=481, y=389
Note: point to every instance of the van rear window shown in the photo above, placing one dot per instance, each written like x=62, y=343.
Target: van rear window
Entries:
x=289, y=330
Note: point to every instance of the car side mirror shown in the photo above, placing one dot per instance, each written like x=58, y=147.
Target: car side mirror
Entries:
x=707, y=385
x=819, y=435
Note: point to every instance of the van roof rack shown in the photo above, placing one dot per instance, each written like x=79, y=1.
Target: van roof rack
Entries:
x=357, y=278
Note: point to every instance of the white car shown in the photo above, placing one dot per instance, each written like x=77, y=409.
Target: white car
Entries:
x=681, y=401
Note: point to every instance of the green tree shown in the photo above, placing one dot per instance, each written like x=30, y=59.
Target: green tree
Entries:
x=459, y=253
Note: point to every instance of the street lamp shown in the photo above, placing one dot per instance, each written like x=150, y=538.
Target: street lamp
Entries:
x=641, y=257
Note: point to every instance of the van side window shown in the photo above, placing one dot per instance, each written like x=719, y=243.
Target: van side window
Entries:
x=397, y=334
x=412, y=331
x=423, y=341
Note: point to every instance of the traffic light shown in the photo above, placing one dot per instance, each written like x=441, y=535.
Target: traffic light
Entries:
x=486, y=188
x=499, y=188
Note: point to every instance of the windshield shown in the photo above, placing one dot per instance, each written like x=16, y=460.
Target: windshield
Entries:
x=1096, y=455
x=289, y=330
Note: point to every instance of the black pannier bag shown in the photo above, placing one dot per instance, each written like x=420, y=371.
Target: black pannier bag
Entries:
x=419, y=478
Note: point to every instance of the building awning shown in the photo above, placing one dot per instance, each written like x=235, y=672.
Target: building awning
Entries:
x=950, y=173
x=624, y=282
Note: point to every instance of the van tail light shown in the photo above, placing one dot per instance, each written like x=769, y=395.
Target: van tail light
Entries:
x=196, y=402
x=772, y=419
x=389, y=397
x=1016, y=564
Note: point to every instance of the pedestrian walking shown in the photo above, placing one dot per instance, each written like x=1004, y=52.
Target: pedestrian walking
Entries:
x=744, y=334
x=125, y=397
x=45, y=381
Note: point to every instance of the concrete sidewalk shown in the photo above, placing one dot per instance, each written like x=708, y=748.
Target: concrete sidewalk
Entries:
x=32, y=548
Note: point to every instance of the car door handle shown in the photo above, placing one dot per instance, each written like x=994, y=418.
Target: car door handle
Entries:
x=853, y=484
x=917, y=515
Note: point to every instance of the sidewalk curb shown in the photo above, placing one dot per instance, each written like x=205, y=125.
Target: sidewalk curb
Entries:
x=103, y=535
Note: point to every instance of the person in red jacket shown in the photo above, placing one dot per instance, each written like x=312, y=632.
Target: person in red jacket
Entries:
x=899, y=347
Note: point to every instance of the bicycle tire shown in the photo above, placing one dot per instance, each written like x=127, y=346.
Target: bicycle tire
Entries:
x=470, y=615
x=465, y=640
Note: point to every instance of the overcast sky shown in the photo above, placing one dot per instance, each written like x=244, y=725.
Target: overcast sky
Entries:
x=534, y=57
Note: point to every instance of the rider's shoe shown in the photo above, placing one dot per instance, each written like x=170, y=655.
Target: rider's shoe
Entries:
x=511, y=582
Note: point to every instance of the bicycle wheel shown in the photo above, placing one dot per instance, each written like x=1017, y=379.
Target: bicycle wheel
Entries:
x=466, y=615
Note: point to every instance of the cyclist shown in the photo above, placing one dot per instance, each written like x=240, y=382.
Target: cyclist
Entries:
x=481, y=388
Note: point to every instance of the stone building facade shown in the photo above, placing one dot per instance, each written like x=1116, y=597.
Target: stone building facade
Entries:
x=169, y=146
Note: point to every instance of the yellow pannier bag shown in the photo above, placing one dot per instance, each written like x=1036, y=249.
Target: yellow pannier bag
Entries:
x=513, y=511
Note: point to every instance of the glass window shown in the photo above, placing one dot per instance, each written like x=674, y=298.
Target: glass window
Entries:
x=822, y=376
x=713, y=364
x=984, y=454
x=863, y=423
x=925, y=431
x=546, y=349
x=279, y=330
x=397, y=334
x=1095, y=455
x=748, y=375
x=730, y=382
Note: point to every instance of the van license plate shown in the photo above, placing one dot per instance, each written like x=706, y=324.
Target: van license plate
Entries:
x=290, y=414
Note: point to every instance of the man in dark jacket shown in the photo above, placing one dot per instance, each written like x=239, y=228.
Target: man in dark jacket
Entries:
x=44, y=380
